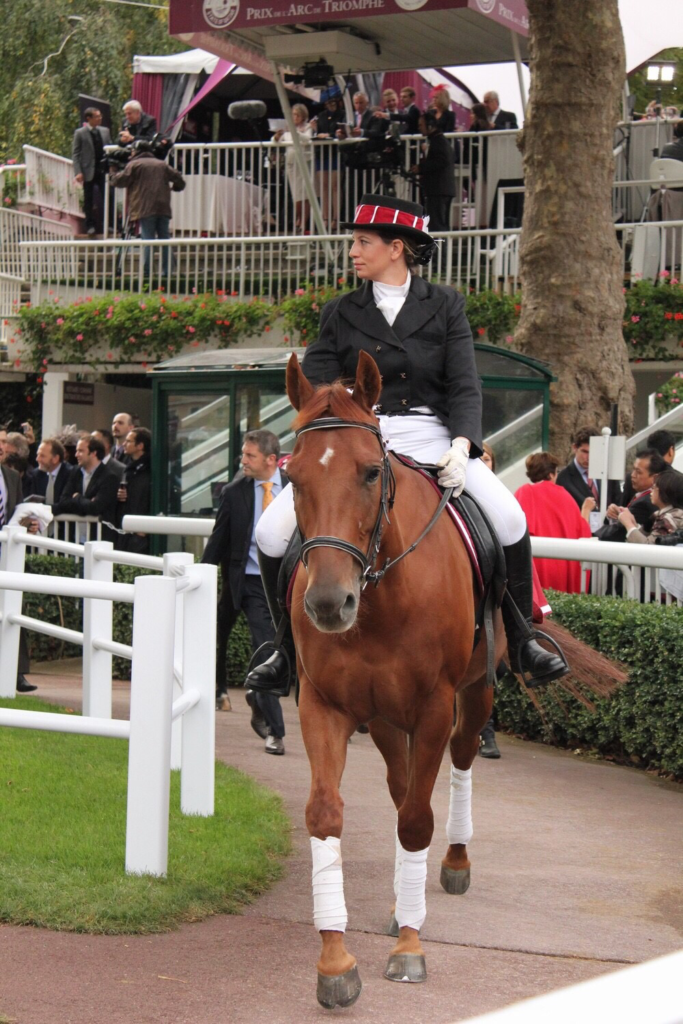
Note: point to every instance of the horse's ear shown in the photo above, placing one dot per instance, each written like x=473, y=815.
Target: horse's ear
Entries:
x=368, y=384
x=299, y=389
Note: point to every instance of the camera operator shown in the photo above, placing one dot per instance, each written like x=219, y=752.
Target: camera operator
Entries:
x=437, y=173
x=136, y=124
x=88, y=160
x=148, y=178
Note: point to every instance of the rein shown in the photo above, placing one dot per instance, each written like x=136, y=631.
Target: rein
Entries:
x=388, y=494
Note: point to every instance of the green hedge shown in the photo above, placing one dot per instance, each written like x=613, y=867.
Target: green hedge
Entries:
x=642, y=723
x=67, y=612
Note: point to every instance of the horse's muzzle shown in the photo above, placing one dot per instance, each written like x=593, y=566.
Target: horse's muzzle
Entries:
x=330, y=607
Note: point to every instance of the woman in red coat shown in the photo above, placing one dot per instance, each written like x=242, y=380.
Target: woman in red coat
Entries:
x=552, y=512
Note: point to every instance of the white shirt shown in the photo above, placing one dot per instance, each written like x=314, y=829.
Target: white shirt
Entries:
x=3, y=492
x=389, y=299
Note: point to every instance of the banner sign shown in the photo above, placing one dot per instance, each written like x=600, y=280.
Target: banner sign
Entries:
x=187, y=16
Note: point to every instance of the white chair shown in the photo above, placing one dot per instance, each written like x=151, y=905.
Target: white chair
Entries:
x=666, y=173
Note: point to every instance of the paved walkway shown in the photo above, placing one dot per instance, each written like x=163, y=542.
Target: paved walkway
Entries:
x=576, y=870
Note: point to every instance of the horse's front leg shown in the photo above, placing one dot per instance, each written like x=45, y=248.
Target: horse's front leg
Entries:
x=326, y=732
x=415, y=830
x=473, y=707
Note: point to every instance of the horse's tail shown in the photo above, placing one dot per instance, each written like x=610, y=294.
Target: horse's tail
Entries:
x=590, y=673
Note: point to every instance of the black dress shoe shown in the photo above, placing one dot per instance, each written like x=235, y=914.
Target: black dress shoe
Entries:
x=488, y=746
x=271, y=675
x=258, y=722
x=23, y=685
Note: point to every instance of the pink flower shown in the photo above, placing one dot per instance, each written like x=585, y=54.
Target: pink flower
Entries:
x=143, y=305
x=635, y=319
x=665, y=273
x=147, y=332
x=190, y=330
x=299, y=291
x=79, y=337
x=8, y=201
x=108, y=316
x=508, y=338
x=659, y=394
x=60, y=321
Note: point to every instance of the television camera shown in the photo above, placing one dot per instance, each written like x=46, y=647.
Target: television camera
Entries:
x=117, y=156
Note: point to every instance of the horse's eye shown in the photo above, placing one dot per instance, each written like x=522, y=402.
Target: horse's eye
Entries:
x=372, y=475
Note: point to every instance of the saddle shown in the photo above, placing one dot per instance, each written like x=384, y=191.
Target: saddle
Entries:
x=482, y=545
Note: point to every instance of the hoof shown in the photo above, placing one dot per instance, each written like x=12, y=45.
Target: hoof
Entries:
x=455, y=882
x=223, y=702
x=339, y=989
x=406, y=967
x=393, y=928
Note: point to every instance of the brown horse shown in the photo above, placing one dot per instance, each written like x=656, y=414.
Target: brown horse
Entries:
x=394, y=656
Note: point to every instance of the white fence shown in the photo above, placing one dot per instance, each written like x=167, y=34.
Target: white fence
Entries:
x=172, y=654
x=17, y=227
x=648, y=993
x=641, y=566
x=50, y=183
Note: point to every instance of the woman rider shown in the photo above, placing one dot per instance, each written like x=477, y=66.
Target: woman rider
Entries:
x=430, y=405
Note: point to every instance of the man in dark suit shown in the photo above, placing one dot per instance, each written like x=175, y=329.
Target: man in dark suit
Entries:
x=107, y=439
x=647, y=464
x=410, y=111
x=137, y=124
x=88, y=158
x=498, y=119
x=437, y=174
x=10, y=497
x=233, y=547
x=121, y=426
x=574, y=477
x=51, y=477
x=93, y=487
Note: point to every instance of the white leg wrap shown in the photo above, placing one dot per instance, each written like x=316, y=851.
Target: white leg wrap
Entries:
x=411, y=906
x=329, y=906
x=459, y=827
x=397, y=863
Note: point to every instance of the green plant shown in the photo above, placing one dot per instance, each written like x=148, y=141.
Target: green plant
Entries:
x=493, y=314
x=642, y=723
x=653, y=313
x=124, y=328
x=670, y=394
x=301, y=311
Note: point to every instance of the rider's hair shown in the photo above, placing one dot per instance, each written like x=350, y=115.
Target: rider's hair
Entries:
x=265, y=440
x=411, y=249
x=541, y=466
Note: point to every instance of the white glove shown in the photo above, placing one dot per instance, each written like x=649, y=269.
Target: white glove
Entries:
x=453, y=464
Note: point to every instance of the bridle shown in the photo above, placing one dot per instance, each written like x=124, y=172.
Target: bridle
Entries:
x=367, y=559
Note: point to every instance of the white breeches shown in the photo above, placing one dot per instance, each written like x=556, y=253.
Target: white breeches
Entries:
x=425, y=439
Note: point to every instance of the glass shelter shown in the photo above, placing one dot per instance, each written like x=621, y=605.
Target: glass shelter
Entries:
x=204, y=404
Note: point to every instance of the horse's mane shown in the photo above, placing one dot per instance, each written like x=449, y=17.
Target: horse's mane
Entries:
x=332, y=400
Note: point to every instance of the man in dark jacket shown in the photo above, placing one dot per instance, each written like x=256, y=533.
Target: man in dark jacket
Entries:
x=498, y=119
x=437, y=174
x=150, y=181
x=574, y=477
x=137, y=124
x=88, y=159
x=93, y=487
x=51, y=477
x=648, y=463
x=135, y=489
x=233, y=547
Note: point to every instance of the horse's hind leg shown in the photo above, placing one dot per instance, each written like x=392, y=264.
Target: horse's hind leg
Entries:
x=326, y=732
x=473, y=707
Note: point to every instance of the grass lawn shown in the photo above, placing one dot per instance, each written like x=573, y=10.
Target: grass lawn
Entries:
x=62, y=839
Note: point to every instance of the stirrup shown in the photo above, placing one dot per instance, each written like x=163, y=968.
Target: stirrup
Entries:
x=277, y=647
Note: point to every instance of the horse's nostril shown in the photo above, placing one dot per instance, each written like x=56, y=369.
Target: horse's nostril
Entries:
x=349, y=605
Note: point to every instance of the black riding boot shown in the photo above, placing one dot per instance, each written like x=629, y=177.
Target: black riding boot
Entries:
x=274, y=674
x=526, y=655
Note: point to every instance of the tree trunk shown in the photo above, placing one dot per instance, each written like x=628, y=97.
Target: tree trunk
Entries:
x=572, y=287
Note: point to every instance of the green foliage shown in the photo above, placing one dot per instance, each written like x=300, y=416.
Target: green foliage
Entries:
x=642, y=723
x=654, y=312
x=670, y=394
x=63, y=808
x=42, y=109
x=21, y=402
x=493, y=314
x=126, y=328
x=301, y=311
x=63, y=611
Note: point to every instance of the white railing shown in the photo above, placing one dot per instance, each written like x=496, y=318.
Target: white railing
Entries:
x=17, y=227
x=50, y=182
x=648, y=993
x=641, y=567
x=10, y=300
x=173, y=645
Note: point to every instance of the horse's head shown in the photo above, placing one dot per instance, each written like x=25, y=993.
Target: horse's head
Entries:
x=337, y=478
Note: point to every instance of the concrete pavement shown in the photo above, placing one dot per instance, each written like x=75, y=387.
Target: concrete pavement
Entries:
x=576, y=869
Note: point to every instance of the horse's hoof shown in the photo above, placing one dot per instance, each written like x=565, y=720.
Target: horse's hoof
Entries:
x=339, y=989
x=406, y=967
x=455, y=882
x=393, y=928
